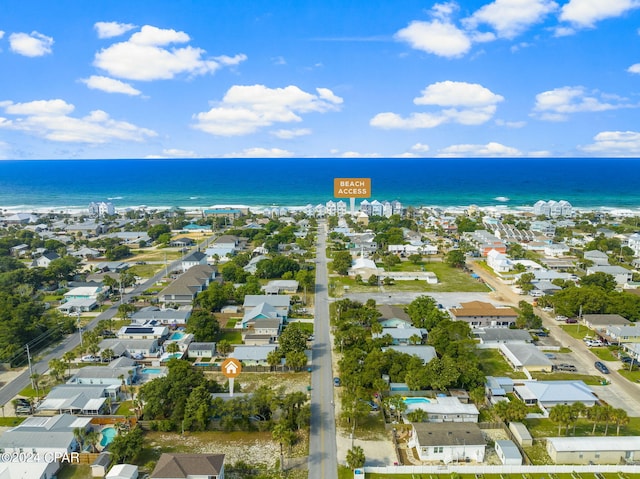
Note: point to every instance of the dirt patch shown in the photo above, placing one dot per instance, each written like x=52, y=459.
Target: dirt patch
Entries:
x=249, y=382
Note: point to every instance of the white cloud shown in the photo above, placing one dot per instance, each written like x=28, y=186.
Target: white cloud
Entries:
x=146, y=56
x=355, y=154
x=32, y=44
x=174, y=153
x=112, y=29
x=110, y=85
x=460, y=102
x=289, y=134
x=439, y=38
x=491, y=149
x=1, y=34
x=557, y=104
x=420, y=147
x=585, y=13
x=615, y=143
x=635, y=68
x=246, y=109
x=50, y=119
x=511, y=124
x=261, y=153
x=510, y=18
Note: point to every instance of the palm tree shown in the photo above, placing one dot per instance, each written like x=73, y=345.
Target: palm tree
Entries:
x=35, y=380
x=561, y=414
x=621, y=418
x=578, y=409
x=279, y=433
x=607, y=415
x=595, y=414
x=79, y=434
x=93, y=438
x=68, y=357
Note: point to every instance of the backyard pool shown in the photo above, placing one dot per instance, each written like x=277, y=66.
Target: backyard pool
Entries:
x=108, y=433
x=176, y=336
x=413, y=401
x=151, y=371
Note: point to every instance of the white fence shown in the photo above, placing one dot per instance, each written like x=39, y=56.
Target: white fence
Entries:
x=467, y=469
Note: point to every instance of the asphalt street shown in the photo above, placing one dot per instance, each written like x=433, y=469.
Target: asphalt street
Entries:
x=323, y=461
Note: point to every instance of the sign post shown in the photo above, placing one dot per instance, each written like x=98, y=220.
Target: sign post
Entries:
x=231, y=369
x=352, y=188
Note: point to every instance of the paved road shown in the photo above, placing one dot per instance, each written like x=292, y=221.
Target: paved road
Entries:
x=323, y=461
x=620, y=393
x=12, y=388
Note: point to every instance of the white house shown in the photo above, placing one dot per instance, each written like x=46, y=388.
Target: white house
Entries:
x=593, y=449
x=447, y=443
x=499, y=262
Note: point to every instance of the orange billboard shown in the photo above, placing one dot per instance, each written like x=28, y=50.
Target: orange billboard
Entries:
x=352, y=187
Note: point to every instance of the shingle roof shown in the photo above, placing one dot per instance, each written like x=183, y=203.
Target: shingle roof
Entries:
x=181, y=465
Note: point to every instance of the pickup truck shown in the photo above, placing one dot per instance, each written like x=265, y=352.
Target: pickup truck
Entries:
x=565, y=367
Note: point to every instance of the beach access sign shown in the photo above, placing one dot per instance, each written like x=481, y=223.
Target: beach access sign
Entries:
x=352, y=187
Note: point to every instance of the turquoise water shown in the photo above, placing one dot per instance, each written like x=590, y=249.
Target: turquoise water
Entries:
x=108, y=433
x=177, y=335
x=409, y=401
x=151, y=371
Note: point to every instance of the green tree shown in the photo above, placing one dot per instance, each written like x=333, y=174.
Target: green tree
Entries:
x=224, y=347
x=341, y=262
x=415, y=258
x=602, y=280
x=527, y=319
x=455, y=258
x=418, y=415
x=197, y=410
x=561, y=415
x=296, y=360
x=293, y=339
x=125, y=447
x=355, y=457
x=524, y=282
x=424, y=313
x=203, y=325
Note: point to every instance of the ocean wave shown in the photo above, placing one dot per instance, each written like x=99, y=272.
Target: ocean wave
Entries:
x=115, y=198
x=502, y=199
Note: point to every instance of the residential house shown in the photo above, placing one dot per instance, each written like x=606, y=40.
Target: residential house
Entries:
x=634, y=243
x=392, y=316
x=44, y=435
x=499, y=262
x=253, y=355
x=494, y=337
x=623, y=334
x=426, y=353
x=485, y=242
x=594, y=449
x=498, y=386
x=508, y=452
x=135, y=331
x=45, y=260
x=365, y=268
x=446, y=409
x=600, y=322
x=479, y=314
x=122, y=471
x=597, y=257
x=79, y=399
x=223, y=246
x=521, y=434
x=201, y=350
x=281, y=286
x=101, y=208
x=31, y=470
x=194, y=259
x=120, y=370
x=279, y=302
x=264, y=331
x=547, y=394
x=134, y=348
x=621, y=275
x=187, y=286
x=19, y=250
x=525, y=356
x=556, y=249
x=170, y=317
x=448, y=442
x=86, y=253
x=229, y=213
x=131, y=237
x=189, y=466
x=403, y=335
x=182, y=242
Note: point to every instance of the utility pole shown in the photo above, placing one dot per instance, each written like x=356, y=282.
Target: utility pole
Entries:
x=30, y=368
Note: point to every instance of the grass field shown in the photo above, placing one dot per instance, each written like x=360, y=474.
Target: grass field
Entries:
x=493, y=364
x=590, y=380
x=578, y=331
x=234, y=337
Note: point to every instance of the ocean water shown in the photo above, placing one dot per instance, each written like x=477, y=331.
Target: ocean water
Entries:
x=68, y=184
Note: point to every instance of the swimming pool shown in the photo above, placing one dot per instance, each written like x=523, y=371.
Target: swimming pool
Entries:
x=108, y=433
x=410, y=401
x=151, y=371
x=176, y=335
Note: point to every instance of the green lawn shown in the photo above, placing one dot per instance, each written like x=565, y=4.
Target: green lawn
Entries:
x=493, y=364
x=234, y=337
x=605, y=353
x=558, y=376
x=578, y=331
x=146, y=270
x=75, y=471
x=124, y=409
x=10, y=421
x=546, y=428
x=633, y=376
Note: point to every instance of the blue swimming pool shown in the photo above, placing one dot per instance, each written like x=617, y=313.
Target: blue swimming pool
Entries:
x=108, y=433
x=151, y=371
x=176, y=335
x=409, y=401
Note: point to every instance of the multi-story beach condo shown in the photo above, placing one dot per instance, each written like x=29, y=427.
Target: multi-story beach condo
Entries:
x=101, y=208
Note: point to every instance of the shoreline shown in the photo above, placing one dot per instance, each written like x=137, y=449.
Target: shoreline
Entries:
x=191, y=210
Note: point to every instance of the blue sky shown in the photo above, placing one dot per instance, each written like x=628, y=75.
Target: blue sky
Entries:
x=331, y=78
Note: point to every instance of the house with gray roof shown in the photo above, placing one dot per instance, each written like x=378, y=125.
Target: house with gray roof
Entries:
x=597, y=257
x=623, y=334
x=161, y=316
x=79, y=399
x=392, y=316
x=447, y=443
x=402, y=335
x=252, y=355
x=186, y=287
x=194, y=259
x=119, y=370
x=45, y=260
x=508, y=452
x=493, y=337
x=525, y=357
x=134, y=348
x=261, y=312
x=620, y=274
x=44, y=435
x=600, y=322
x=547, y=394
x=594, y=449
x=189, y=466
x=426, y=353
x=201, y=350
x=446, y=409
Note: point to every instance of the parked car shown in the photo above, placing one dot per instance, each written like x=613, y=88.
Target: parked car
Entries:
x=571, y=320
x=596, y=343
x=628, y=360
x=91, y=359
x=560, y=317
x=337, y=382
x=550, y=355
x=565, y=367
x=601, y=367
